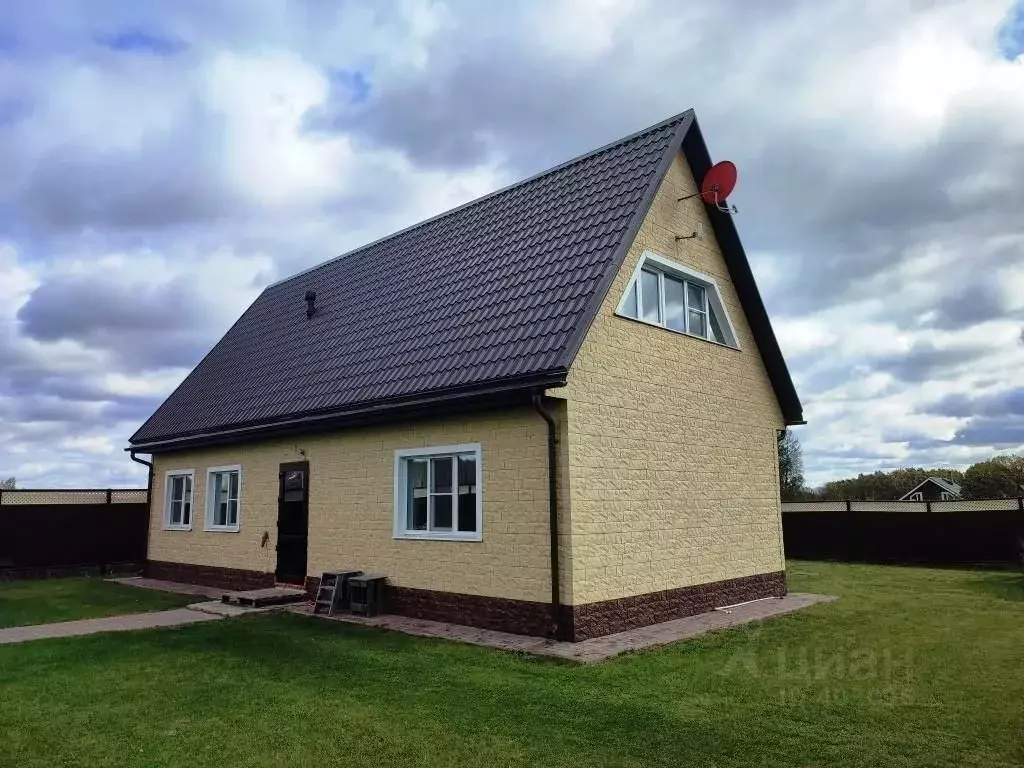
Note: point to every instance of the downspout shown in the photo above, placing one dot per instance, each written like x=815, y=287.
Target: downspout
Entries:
x=149, y=497
x=556, y=602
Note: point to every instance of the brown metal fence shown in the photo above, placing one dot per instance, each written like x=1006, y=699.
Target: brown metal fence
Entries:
x=985, y=531
x=47, y=532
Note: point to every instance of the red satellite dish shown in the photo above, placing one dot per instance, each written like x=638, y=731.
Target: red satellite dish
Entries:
x=719, y=182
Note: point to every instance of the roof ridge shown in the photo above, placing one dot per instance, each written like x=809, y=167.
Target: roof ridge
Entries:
x=502, y=190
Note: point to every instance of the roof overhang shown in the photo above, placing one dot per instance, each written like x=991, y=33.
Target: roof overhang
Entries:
x=497, y=394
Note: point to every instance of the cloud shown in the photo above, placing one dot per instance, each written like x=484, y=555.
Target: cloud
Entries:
x=163, y=163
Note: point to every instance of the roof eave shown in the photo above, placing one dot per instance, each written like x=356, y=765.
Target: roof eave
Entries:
x=492, y=395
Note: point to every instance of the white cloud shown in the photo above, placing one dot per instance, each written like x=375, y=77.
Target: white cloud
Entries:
x=267, y=155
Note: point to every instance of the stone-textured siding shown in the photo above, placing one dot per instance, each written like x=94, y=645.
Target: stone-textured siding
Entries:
x=672, y=452
x=351, y=507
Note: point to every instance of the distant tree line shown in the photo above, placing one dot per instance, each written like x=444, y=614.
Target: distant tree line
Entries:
x=8, y=484
x=1001, y=477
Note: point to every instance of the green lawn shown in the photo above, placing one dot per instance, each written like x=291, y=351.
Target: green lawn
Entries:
x=46, y=601
x=911, y=667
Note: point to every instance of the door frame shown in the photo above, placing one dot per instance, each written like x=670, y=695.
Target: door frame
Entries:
x=283, y=468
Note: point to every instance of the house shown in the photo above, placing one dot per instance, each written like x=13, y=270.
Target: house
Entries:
x=933, y=489
x=553, y=410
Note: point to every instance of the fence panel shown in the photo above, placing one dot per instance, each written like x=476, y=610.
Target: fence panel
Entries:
x=44, y=531
x=903, y=532
x=814, y=506
x=889, y=506
x=975, y=505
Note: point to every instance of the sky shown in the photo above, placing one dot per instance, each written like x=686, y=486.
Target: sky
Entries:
x=161, y=163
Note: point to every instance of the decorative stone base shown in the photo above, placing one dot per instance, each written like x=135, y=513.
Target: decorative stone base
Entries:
x=610, y=616
x=233, y=579
x=521, y=617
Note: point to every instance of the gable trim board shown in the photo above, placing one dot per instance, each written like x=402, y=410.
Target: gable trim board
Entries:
x=685, y=136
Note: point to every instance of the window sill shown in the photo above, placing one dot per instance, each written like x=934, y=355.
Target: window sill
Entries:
x=649, y=324
x=177, y=527
x=415, y=536
x=220, y=529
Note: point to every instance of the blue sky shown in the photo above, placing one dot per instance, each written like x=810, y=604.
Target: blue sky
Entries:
x=1011, y=32
x=164, y=162
x=141, y=41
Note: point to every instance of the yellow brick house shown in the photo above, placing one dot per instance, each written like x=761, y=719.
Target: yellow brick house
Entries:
x=551, y=411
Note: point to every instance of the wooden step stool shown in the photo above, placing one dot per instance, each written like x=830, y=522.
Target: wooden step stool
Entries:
x=333, y=593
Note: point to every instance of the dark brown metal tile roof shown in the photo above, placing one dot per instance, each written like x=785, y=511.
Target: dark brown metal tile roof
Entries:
x=499, y=290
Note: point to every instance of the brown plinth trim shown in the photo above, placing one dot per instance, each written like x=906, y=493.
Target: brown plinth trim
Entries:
x=232, y=579
x=610, y=616
x=520, y=617
x=577, y=622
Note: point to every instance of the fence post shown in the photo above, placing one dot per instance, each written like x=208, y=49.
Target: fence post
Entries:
x=1020, y=503
x=108, y=496
x=928, y=506
x=849, y=506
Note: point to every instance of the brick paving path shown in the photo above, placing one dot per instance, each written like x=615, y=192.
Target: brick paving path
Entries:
x=173, y=618
x=599, y=648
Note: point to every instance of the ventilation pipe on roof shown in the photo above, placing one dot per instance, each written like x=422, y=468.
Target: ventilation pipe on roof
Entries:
x=310, y=304
x=556, y=600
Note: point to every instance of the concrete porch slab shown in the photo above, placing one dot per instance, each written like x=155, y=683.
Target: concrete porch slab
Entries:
x=230, y=610
x=261, y=598
x=599, y=648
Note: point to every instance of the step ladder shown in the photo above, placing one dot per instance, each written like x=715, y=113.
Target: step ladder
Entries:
x=332, y=594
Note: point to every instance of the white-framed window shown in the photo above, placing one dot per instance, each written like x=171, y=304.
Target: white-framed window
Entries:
x=178, y=485
x=916, y=496
x=671, y=295
x=947, y=496
x=223, y=498
x=438, y=493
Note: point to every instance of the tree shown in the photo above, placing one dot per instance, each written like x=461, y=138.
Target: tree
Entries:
x=7, y=485
x=791, y=468
x=1001, y=477
x=884, y=486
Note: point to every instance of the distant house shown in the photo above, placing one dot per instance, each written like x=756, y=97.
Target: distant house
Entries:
x=551, y=410
x=933, y=489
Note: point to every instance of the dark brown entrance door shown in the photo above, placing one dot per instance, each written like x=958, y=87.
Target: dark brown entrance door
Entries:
x=292, y=522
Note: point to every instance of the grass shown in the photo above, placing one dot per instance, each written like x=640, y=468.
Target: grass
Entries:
x=44, y=602
x=911, y=667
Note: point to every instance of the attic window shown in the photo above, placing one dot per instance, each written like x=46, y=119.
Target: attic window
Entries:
x=670, y=295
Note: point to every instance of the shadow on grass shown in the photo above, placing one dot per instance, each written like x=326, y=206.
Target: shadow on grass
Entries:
x=1005, y=585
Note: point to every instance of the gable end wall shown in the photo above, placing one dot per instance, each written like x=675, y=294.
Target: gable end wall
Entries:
x=672, y=440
